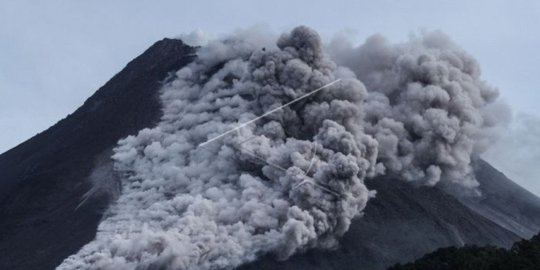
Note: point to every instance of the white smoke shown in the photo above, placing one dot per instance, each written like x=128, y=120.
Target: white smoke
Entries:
x=293, y=180
x=195, y=38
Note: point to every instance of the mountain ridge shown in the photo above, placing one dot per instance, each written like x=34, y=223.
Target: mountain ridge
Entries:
x=44, y=179
x=401, y=224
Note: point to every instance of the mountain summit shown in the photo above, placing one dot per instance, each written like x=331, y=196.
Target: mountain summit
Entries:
x=55, y=188
x=44, y=180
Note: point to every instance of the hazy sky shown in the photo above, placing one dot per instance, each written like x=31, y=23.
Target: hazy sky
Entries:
x=55, y=54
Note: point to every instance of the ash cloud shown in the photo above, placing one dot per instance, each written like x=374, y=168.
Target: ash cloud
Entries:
x=427, y=107
x=218, y=206
x=293, y=180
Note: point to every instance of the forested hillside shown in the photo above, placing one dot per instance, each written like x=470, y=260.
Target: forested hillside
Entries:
x=524, y=255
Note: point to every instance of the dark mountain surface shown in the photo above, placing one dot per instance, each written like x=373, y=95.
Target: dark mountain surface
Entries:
x=43, y=180
x=505, y=202
x=401, y=224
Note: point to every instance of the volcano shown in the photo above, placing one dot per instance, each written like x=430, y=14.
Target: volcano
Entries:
x=51, y=202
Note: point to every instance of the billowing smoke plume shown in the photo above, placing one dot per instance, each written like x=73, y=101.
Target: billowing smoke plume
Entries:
x=291, y=181
x=294, y=179
x=427, y=107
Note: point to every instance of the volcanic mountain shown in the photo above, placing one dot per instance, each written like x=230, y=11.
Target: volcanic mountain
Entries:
x=56, y=187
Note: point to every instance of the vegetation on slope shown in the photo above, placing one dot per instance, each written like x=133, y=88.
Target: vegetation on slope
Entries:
x=524, y=255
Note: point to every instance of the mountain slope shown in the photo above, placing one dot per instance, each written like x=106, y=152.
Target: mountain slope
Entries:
x=43, y=180
x=400, y=224
x=505, y=202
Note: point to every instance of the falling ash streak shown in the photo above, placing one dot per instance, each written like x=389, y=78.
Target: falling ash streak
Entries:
x=269, y=112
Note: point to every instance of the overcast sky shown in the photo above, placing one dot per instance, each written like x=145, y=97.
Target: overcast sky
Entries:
x=55, y=54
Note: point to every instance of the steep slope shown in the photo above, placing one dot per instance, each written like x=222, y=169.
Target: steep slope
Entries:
x=505, y=202
x=43, y=180
x=401, y=224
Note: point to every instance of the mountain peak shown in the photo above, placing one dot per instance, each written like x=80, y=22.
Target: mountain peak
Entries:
x=43, y=179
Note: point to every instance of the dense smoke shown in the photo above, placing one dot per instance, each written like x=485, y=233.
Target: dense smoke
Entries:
x=427, y=107
x=294, y=179
x=217, y=206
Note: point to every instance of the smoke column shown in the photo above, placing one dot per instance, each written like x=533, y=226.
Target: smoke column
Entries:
x=294, y=179
x=428, y=108
x=217, y=206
